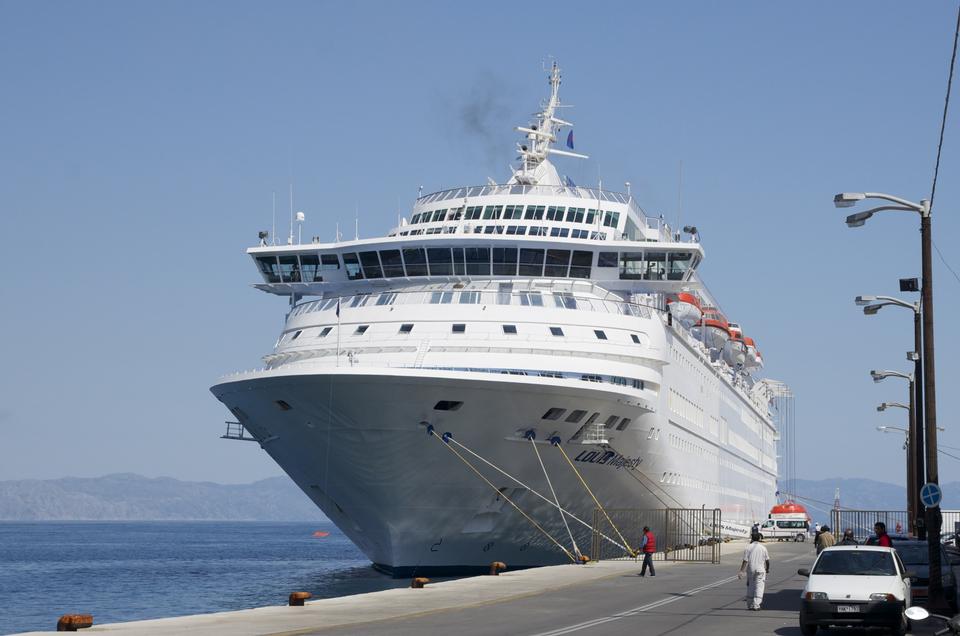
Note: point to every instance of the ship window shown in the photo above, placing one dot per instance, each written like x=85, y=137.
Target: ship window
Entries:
x=406, y=327
x=656, y=266
x=283, y=405
x=591, y=377
x=631, y=265
x=447, y=405
x=296, y=335
x=362, y=329
x=392, y=265
x=459, y=328
x=679, y=264
x=516, y=229
x=441, y=298
x=386, y=298
x=455, y=214
x=574, y=215
x=492, y=212
x=352, y=266
x=310, y=264
x=415, y=219
x=469, y=297
x=505, y=261
x=458, y=266
x=329, y=261
x=534, y=212
x=473, y=213
x=504, y=293
x=600, y=334
x=592, y=419
x=611, y=421
x=360, y=300
x=562, y=232
x=489, y=229
x=478, y=261
x=440, y=262
x=556, y=331
x=637, y=384
x=575, y=416
x=635, y=338
x=510, y=329
x=564, y=300
x=289, y=269
x=478, y=229
x=534, y=299
x=513, y=212
x=324, y=332
x=268, y=267
x=553, y=414
x=591, y=216
x=555, y=213
x=371, y=265
x=416, y=261
x=439, y=214
x=531, y=262
x=611, y=219
x=580, y=265
x=557, y=263
x=607, y=259
x=538, y=231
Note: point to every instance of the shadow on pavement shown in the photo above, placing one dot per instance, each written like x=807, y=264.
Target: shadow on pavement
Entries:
x=784, y=600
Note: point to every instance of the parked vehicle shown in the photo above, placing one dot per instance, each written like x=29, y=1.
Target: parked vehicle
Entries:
x=856, y=585
x=785, y=529
x=915, y=555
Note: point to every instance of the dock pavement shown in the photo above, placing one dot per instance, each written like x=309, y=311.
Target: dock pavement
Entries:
x=600, y=599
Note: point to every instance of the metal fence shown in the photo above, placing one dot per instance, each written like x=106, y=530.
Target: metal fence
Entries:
x=682, y=534
x=862, y=522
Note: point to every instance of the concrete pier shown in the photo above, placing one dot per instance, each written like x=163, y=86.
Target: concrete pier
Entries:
x=600, y=598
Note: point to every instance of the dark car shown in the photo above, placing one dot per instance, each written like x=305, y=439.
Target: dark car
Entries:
x=915, y=555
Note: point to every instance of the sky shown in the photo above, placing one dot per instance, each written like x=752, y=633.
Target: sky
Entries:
x=141, y=142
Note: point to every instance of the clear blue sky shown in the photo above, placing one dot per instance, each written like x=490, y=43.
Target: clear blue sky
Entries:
x=140, y=143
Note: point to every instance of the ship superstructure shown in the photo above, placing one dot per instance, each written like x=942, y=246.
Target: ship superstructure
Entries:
x=505, y=315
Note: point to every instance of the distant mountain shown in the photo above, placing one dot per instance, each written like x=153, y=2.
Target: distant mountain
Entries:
x=862, y=494
x=131, y=497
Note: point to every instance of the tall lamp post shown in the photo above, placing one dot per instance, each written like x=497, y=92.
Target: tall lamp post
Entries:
x=934, y=518
x=913, y=488
x=871, y=306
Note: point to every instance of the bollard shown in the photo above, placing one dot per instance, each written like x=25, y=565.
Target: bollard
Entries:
x=496, y=567
x=297, y=598
x=419, y=582
x=584, y=559
x=73, y=622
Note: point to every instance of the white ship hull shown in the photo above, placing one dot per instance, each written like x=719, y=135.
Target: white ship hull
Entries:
x=355, y=442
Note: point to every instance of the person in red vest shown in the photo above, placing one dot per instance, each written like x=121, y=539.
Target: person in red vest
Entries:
x=883, y=539
x=648, y=547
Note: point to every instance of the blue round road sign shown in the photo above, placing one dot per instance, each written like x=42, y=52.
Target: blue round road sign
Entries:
x=931, y=495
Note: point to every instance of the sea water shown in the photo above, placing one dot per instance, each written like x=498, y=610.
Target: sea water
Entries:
x=122, y=571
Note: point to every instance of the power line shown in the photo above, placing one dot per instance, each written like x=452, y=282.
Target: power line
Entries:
x=944, y=261
x=946, y=105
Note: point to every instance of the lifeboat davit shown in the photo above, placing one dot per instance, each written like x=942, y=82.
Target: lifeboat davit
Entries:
x=752, y=361
x=713, y=329
x=685, y=308
x=735, y=351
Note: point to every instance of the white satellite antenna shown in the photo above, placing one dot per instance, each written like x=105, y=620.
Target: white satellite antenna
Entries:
x=300, y=219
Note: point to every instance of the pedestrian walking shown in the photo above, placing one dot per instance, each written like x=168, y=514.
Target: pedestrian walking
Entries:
x=883, y=539
x=648, y=547
x=756, y=565
x=848, y=538
x=825, y=539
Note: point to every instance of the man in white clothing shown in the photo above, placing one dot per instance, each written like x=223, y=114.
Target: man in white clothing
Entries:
x=756, y=564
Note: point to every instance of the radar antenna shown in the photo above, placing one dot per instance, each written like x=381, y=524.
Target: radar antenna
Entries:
x=534, y=168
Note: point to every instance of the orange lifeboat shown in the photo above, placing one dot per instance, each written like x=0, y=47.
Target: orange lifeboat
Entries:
x=752, y=360
x=685, y=308
x=735, y=351
x=788, y=508
x=713, y=329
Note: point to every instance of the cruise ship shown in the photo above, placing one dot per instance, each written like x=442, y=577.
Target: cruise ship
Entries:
x=474, y=385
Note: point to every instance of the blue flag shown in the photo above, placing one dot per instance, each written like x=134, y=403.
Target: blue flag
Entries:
x=570, y=140
x=338, y=307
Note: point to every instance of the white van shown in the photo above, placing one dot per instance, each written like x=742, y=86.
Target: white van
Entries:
x=785, y=529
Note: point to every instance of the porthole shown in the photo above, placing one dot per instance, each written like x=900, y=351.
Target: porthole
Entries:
x=599, y=334
x=459, y=328
x=362, y=329
x=282, y=405
x=556, y=331
x=323, y=332
x=553, y=414
x=510, y=329
x=406, y=327
x=447, y=405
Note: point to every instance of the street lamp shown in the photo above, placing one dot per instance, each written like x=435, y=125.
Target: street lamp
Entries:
x=871, y=306
x=934, y=518
x=913, y=488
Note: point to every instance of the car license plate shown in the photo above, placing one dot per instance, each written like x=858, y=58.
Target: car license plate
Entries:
x=848, y=609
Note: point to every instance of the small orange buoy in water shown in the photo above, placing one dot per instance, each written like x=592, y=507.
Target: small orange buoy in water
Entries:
x=321, y=534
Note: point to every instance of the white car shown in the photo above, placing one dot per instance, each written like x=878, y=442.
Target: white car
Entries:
x=855, y=585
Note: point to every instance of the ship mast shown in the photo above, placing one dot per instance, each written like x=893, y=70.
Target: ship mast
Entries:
x=534, y=168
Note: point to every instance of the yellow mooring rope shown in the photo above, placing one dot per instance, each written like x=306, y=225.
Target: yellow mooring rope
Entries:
x=508, y=500
x=592, y=496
